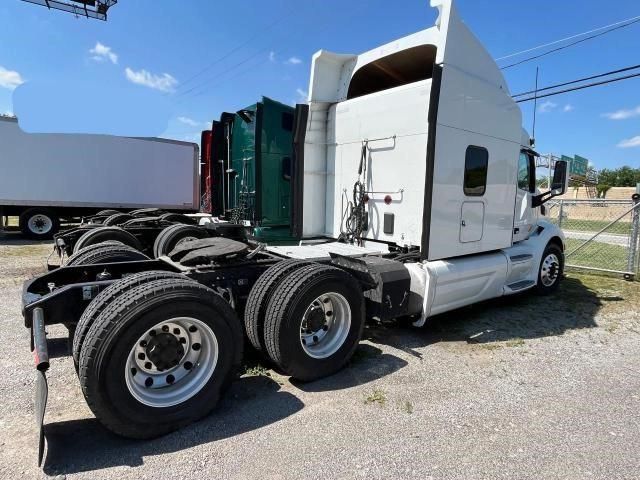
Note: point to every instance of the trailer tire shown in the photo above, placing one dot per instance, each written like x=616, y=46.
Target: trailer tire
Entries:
x=178, y=218
x=551, y=270
x=324, y=299
x=173, y=235
x=101, y=234
x=83, y=250
x=107, y=252
x=39, y=223
x=105, y=297
x=104, y=213
x=259, y=296
x=117, y=387
x=116, y=219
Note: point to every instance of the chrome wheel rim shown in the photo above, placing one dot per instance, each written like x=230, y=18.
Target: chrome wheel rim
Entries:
x=325, y=325
x=40, y=224
x=171, y=362
x=550, y=270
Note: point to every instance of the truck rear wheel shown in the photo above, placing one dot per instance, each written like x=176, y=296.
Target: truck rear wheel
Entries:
x=107, y=252
x=158, y=357
x=259, y=297
x=172, y=236
x=116, y=219
x=105, y=297
x=102, y=234
x=314, y=321
x=103, y=213
x=39, y=223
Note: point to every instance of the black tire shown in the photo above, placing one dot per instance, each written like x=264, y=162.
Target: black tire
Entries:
x=105, y=297
x=116, y=219
x=171, y=236
x=109, y=341
x=106, y=253
x=72, y=258
x=106, y=213
x=39, y=223
x=178, y=218
x=554, y=271
x=102, y=234
x=259, y=297
x=285, y=312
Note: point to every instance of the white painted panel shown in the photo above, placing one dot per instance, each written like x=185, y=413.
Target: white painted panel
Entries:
x=395, y=166
x=471, y=221
x=463, y=281
x=95, y=170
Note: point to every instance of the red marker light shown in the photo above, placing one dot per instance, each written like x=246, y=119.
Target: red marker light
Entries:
x=366, y=198
x=387, y=199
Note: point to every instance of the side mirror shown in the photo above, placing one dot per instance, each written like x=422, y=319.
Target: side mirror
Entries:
x=558, y=185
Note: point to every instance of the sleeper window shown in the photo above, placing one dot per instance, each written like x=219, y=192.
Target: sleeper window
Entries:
x=475, y=171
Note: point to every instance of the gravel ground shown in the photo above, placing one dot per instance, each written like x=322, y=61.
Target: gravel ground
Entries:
x=521, y=387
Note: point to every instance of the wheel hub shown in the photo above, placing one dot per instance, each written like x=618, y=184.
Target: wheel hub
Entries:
x=325, y=325
x=315, y=318
x=164, y=351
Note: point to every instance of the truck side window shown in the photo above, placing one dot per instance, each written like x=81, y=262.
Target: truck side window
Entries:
x=523, y=172
x=475, y=171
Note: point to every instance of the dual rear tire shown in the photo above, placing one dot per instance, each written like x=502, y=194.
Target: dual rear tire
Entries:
x=157, y=354
x=307, y=317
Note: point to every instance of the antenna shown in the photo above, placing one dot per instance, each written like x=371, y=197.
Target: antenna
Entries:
x=535, y=108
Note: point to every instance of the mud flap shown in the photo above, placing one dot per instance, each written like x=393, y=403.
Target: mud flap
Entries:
x=41, y=360
x=42, y=392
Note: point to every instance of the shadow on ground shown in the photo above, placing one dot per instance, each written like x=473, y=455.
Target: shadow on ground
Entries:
x=257, y=401
x=525, y=316
x=85, y=445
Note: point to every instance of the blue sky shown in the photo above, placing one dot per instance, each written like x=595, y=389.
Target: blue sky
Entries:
x=134, y=74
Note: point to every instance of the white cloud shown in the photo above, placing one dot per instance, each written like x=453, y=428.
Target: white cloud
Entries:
x=547, y=106
x=9, y=78
x=302, y=95
x=630, y=142
x=293, y=61
x=163, y=82
x=623, y=114
x=101, y=52
x=191, y=122
x=567, y=108
x=272, y=56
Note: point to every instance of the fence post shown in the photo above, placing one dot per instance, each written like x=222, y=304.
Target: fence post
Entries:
x=635, y=231
x=560, y=214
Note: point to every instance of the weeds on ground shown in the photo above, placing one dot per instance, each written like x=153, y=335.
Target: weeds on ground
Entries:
x=256, y=371
x=516, y=342
x=377, y=396
x=407, y=407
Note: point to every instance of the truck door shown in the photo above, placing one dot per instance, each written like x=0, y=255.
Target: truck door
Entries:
x=524, y=218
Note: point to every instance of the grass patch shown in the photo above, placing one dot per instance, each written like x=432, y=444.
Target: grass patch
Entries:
x=490, y=346
x=256, y=371
x=377, y=396
x=516, y=342
x=407, y=407
x=577, y=225
x=597, y=255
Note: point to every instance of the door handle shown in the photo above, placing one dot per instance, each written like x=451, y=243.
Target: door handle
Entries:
x=463, y=223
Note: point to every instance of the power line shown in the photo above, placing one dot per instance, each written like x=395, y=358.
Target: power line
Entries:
x=203, y=87
x=567, y=38
x=237, y=48
x=581, y=87
x=600, y=75
x=570, y=44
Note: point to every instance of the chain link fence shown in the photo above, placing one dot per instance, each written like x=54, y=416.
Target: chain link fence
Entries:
x=601, y=234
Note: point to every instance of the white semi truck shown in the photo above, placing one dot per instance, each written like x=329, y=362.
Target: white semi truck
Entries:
x=48, y=178
x=414, y=193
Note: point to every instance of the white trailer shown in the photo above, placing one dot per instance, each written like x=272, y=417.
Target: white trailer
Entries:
x=414, y=192
x=49, y=177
